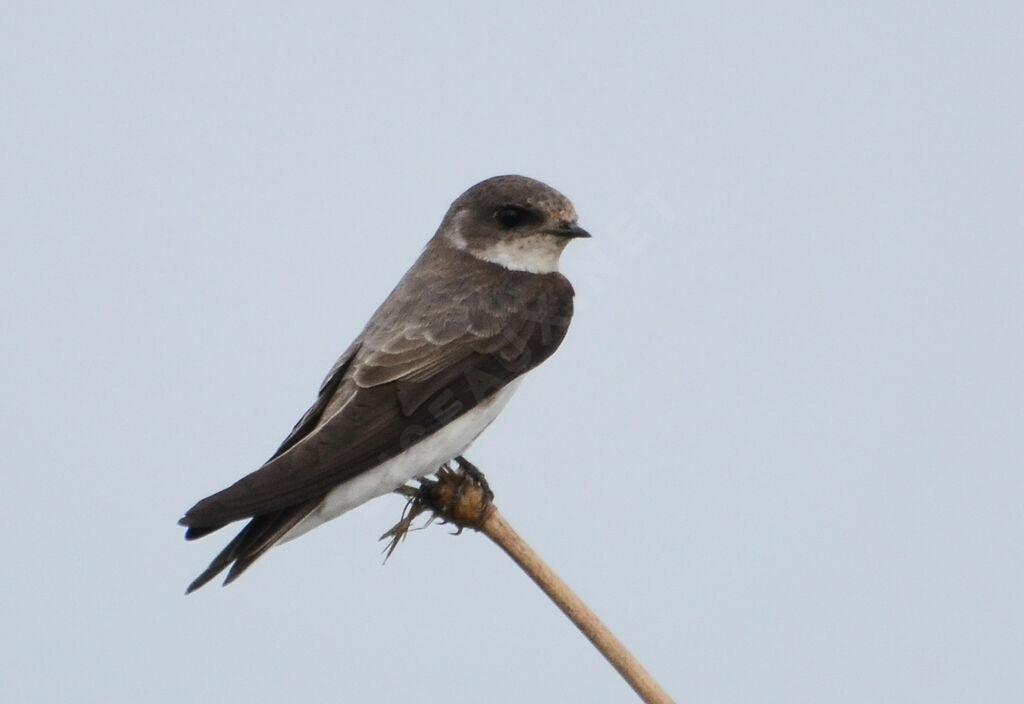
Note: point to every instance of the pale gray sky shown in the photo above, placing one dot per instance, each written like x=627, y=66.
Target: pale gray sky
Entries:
x=780, y=451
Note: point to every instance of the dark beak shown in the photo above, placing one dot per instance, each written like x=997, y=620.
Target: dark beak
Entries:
x=570, y=231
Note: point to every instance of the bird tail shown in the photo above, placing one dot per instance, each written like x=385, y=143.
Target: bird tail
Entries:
x=259, y=535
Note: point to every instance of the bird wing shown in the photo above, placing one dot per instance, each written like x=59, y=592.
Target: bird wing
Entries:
x=411, y=372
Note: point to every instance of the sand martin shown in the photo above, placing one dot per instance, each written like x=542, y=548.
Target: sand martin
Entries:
x=483, y=304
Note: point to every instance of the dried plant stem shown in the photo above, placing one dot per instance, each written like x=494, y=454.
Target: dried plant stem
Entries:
x=463, y=498
x=498, y=529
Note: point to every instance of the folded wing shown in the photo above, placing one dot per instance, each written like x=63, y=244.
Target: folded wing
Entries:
x=396, y=385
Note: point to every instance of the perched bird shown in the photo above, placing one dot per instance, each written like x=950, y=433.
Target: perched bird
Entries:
x=440, y=358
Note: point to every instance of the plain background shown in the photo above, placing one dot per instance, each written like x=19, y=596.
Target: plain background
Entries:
x=780, y=451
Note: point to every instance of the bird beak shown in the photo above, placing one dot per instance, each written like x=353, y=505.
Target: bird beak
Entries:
x=570, y=231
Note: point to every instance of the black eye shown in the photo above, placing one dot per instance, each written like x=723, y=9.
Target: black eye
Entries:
x=510, y=217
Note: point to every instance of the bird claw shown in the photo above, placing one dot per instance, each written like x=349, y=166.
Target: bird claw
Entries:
x=460, y=496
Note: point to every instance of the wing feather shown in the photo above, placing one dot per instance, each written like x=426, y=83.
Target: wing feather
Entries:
x=394, y=379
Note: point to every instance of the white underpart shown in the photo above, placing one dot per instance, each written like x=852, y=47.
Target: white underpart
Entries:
x=424, y=457
x=537, y=254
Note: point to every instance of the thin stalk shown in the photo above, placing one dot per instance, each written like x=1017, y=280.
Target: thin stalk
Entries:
x=504, y=536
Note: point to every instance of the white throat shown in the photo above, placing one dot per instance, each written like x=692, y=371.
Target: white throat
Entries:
x=537, y=254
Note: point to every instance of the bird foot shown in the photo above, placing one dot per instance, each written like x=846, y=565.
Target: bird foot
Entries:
x=458, y=496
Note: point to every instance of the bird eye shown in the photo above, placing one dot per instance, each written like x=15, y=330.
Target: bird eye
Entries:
x=509, y=216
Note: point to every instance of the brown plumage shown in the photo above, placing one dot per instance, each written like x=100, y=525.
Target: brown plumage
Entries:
x=455, y=330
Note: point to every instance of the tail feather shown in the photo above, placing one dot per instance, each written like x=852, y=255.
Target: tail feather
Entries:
x=224, y=558
x=258, y=536
x=195, y=532
x=266, y=540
